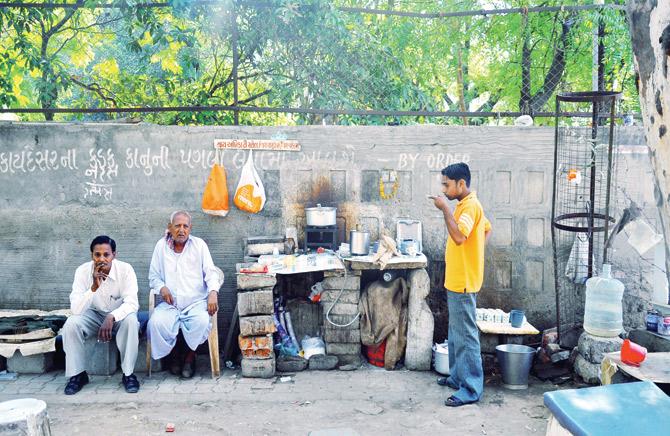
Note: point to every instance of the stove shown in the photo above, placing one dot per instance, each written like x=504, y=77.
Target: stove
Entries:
x=321, y=236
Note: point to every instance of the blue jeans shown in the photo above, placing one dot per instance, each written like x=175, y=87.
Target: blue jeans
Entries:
x=465, y=359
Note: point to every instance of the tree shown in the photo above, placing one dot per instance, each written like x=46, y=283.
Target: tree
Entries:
x=650, y=32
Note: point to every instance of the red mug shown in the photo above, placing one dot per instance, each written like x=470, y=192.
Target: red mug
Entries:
x=632, y=353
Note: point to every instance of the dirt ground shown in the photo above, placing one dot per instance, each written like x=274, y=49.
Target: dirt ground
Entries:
x=364, y=402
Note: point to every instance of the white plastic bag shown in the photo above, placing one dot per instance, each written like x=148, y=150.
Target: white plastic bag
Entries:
x=250, y=193
x=312, y=346
x=641, y=236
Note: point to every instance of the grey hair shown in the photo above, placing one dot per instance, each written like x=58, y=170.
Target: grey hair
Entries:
x=176, y=213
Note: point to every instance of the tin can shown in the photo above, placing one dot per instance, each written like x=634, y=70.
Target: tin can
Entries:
x=664, y=326
x=652, y=319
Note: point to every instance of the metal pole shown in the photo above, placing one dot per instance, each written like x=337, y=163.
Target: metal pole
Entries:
x=554, y=242
x=233, y=22
x=595, y=50
x=610, y=154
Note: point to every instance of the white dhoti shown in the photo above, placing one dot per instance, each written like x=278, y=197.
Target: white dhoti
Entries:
x=166, y=320
x=78, y=328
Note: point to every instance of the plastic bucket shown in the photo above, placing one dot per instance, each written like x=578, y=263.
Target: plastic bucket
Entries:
x=632, y=353
x=515, y=362
x=441, y=358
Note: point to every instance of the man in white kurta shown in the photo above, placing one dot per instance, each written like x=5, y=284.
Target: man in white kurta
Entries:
x=183, y=274
x=103, y=303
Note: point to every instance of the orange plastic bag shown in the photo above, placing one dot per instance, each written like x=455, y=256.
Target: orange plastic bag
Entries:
x=215, y=197
x=250, y=193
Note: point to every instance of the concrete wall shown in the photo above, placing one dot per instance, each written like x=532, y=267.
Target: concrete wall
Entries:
x=62, y=184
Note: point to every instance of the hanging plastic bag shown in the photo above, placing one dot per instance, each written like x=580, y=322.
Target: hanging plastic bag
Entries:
x=642, y=237
x=215, y=197
x=577, y=268
x=250, y=193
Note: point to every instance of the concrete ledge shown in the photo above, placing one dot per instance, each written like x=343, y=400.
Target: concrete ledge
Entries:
x=103, y=357
x=653, y=342
x=35, y=364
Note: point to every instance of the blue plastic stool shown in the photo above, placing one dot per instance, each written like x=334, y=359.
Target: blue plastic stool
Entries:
x=639, y=408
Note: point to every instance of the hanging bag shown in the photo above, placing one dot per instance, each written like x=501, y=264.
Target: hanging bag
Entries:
x=250, y=193
x=215, y=197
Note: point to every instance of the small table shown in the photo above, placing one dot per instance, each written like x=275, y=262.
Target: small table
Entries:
x=654, y=368
x=639, y=408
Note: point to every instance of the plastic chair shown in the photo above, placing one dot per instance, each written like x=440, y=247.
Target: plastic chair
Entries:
x=212, y=340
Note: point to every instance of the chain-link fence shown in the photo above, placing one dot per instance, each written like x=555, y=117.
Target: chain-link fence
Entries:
x=282, y=61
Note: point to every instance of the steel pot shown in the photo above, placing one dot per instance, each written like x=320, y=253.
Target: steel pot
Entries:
x=359, y=242
x=321, y=216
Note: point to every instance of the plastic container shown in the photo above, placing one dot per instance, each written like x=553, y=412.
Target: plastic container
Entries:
x=652, y=320
x=663, y=327
x=375, y=354
x=515, y=362
x=602, y=312
x=632, y=353
x=441, y=358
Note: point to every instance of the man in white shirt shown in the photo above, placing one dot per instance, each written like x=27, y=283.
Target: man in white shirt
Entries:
x=103, y=302
x=183, y=274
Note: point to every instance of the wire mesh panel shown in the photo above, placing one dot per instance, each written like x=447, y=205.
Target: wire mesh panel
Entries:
x=584, y=168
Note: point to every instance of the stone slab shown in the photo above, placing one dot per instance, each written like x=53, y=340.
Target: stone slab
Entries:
x=323, y=363
x=593, y=348
x=255, y=303
x=343, y=348
x=258, y=368
x=353, y=360
x=341, y=335
x=248, y=282
x=350, y=283
x=257, y=325
x=420, y=323
x=357, y=265
x=340, y=273
x=291, y=364
x=35, y=364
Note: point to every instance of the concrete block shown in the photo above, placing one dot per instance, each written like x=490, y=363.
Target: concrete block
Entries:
x=256, y=325
x=256, y=347
x=323, y=363
x=590, y=372
x=291, y=364
x=420, y=323
x=342, y=348
x=341, y=320
x=255, y=303
x=348, y=296
x=248, y=282
x=141, y=363
x=258, y=368
x=340, y=273
x=343, y=335
x=35, y=364
x=340, y=309
x=351, y=283
x=103, y=357
x=488, y=342
x=592, y=348
x=653, y=342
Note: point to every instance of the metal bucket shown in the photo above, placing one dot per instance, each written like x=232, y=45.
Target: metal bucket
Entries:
x=441, y=358
x=515, y=362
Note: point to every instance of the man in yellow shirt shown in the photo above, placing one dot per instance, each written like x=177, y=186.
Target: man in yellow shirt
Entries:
x=463, y=276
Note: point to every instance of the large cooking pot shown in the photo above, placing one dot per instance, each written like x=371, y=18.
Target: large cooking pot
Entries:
x=321, y=216
x=359, y=242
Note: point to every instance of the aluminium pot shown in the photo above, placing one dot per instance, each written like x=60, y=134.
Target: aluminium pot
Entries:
x=359, y=242
x=321, y=216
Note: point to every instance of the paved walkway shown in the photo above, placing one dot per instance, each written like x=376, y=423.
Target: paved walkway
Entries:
x=366, y=401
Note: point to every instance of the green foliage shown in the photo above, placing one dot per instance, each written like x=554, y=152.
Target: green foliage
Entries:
x=305, y=54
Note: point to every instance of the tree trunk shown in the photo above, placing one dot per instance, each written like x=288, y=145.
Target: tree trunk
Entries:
x=649, y=22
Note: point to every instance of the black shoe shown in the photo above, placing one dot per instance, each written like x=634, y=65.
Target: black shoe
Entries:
x=130, y=383
x=189, y=369
x=75, y=383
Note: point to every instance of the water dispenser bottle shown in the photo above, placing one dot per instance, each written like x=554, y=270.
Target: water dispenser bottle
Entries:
x=602, y=312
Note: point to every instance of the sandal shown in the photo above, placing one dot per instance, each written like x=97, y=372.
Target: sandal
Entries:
x=453, y=402
x=444, y=381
